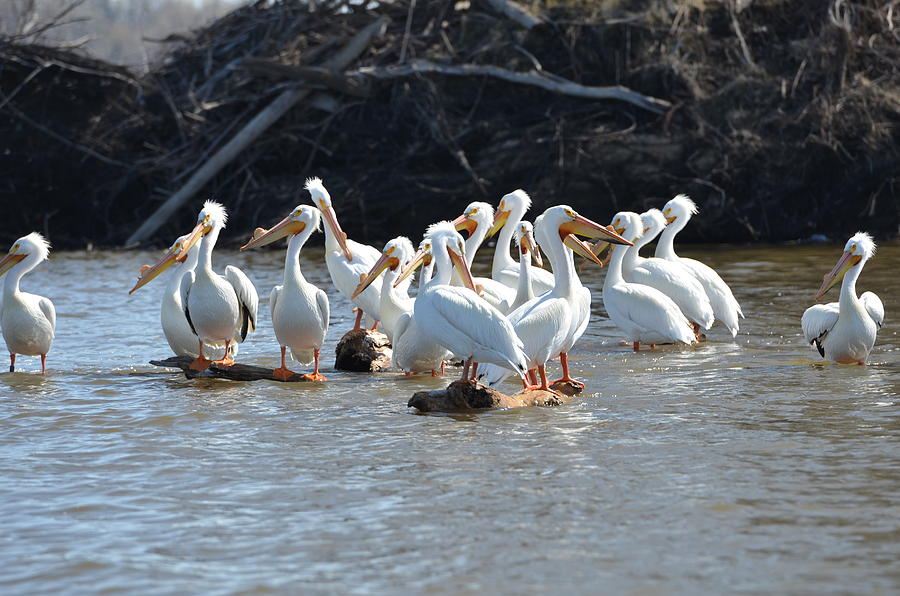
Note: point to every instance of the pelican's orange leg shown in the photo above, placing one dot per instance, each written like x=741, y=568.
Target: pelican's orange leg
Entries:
x=315, y=376
x=543, y=386
x=532, y=376
x=475, y=371
x=12, y=363
x=228, y=360
x=637, y=346
x=200, y=363
x=43, y=364
x=359, y=315
x=283, y=373
x=375, y=326
x=465, y=375
x=443, y=364
x=564, y=361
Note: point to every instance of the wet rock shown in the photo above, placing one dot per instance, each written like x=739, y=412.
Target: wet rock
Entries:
x=363, y=350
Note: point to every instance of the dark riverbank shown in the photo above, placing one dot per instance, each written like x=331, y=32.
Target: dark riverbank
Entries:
x=780, y=119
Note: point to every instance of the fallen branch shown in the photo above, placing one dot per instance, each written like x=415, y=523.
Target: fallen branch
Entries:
x=267, y=67
x=251, y=131
x=515, y=13
x=236, y=372
x=533, y=78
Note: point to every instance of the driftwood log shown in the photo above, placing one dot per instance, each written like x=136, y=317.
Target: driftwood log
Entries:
x=236, y=372
x=363, y=350
x=462, y=396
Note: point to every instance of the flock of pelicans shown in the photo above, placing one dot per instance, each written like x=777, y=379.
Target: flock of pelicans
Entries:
x=511, y=323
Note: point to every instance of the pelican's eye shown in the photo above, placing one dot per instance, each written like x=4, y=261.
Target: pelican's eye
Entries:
x=15, y=248
x=667, y=212
x=502, y=206
x=389, y=251
x=571, y=213
x=473, y=211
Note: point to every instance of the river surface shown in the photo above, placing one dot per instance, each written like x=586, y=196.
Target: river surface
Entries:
x=737, y=466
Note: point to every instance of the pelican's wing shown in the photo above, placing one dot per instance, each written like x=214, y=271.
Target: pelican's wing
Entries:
x=874, y=307
x=247, y=298
x=458, y=317
x=50, y=311
x=652, y=311
x=184, y=290
x=273, y=300
x=324, y=309
x=817, y=321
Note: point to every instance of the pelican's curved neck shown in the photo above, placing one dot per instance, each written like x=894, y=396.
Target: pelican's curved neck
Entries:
x=502, y=258
x=427, y=272
x=523, y=289
x=206, y=248
x=11, y=284
x=473, y=242
x=562, y=262
x=189, y=264
x=665, y=248
x=614, y=270
x=443, y=268
x=390, y=296
x=631, y=258
x=848, y=286
x=643, y=241
x=292, y=272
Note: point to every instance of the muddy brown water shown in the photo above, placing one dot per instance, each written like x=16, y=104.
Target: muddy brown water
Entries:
x=736, y=466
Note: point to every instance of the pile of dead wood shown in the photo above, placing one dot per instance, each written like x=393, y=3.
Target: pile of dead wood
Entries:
x=779, y=116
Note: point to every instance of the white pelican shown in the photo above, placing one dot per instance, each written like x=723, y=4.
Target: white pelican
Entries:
x=393, y=301
x=509, y=213
x=477, y=219
x=669, y=277
x=347, y=261
x=28, y=320
x=220, y=309
x=645, y=314
x=844, y=331
x=413, y=352
x=457, y=318
x=299, y=309
x=176, y=328
x=678, y=212
x=549, y=324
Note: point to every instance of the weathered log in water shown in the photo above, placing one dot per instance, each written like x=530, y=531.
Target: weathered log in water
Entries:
x=363, y=350
x=461, y=396
x=236, y=372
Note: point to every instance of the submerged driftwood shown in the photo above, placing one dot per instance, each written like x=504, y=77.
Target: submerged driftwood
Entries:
x=460, y=396
x=363, y=350
x=236, y=372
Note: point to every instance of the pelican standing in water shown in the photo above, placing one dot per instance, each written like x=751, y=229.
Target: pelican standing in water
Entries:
x=28, y=320
x=645, y=314
x=413, y=352
x=172, y=317
x=669, y=277
x=509, y=213
x=550, y=324
x=299, y=309
x=394, y=302
x=477, y=220
x=456, y=317
x=347, y=261
x=220, y=309
x=844, y=331
x=678, y=212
